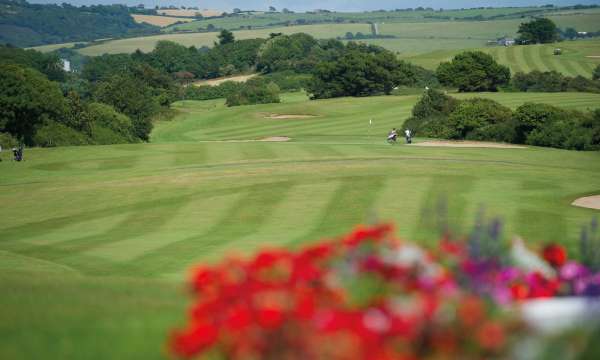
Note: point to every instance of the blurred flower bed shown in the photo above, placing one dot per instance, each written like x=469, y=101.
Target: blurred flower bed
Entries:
x=369, y=295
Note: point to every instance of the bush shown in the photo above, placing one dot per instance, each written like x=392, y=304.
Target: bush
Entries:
x=7, y=141
x=530, y=117
x=105, y=136
x=105, y=118
x=473, y=71
x=289, y=80
x=254, y=91
x=54, y=134
x=549, y=81
x=434, y=102
x=596, y=75
x=206, y=92
x=478, y=118
x=430, y=115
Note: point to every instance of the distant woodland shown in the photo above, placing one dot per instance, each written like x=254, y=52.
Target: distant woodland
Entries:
x=23, y=24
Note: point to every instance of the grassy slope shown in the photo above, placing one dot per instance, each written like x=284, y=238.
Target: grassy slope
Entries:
x=92, y=238
x=572, y=62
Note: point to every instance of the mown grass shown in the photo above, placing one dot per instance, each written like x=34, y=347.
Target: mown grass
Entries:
x=95, y=241
x=574, y=61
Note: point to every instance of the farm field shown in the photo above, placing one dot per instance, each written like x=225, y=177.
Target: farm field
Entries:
x=264, y=19
x=161, y=21
x=189, y=12
x=94, y=241
x=207, y=39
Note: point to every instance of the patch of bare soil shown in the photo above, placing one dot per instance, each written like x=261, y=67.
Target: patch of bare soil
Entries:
x=590, y=202
x=284, y=116
x=276, y=138
x=593, y=56
x=468, y=144
x=219, y=81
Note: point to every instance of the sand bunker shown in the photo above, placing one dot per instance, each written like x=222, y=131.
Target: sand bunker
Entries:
x=468, y=144
x=590, y=202
x=593, y=56
x=281, y=117
x=276, y=138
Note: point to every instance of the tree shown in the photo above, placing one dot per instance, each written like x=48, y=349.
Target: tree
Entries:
x=237, y=10
x=225, y=37
x=473, y=71
x=254, y=91
x=570, y=33
x=538, y=31
x=596, y=75
x=286, y=52
x=272, y=9
x=27, y=100
x=360, y=71
x=132, y=97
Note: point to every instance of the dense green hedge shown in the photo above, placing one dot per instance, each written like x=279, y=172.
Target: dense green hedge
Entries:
x=441, y=116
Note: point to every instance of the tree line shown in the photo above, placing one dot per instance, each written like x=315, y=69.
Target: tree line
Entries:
x=24, y=24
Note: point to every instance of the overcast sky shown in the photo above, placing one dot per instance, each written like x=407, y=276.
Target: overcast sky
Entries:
x=339, y=5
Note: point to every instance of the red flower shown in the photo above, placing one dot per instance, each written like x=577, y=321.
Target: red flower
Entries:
x=270, y=317
x=555, y=255
x=193, y=340
x=519, y=291
x=362, y=234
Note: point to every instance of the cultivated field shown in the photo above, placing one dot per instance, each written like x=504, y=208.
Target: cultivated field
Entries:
x=161, y=21
x=207, y=39
x=189, y=13
x=94, y=241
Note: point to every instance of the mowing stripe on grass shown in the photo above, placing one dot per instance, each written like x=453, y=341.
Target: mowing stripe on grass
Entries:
x=197, y=216
x=400, y=201
x=351, y=204
x=514, y=59
x=541, y=59
x=303, y=206
x=569, y=68
x=254, y=207
x=527, y=53
x=586, y=67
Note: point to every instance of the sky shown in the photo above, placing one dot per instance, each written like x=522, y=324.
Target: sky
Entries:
x=338, y=5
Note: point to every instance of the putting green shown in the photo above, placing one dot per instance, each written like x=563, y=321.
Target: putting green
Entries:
x=94, y=241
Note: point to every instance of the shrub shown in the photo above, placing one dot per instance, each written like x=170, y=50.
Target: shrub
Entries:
x=7, y=141
x=206, y=92
x=104, y=117
x=105, y=136
x=473, y=71
x=54, y=134
x=476, y=118
x=254, y=91
x=596, y=75
x=289, y=80
x=549, y=81
x=530, y=117
x=434, y=102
